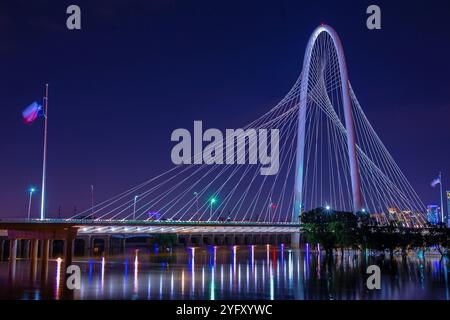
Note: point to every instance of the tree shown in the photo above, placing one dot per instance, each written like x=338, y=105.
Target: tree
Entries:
x=332, y=229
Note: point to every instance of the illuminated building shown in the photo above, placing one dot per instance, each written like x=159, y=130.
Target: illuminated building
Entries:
x=392, y=214
x=379, y=219
x=407, y=216
x=396, y=215
x=448, y=208
x=433, y=212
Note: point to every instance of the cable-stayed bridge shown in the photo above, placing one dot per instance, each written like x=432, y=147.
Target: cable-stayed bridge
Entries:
x=329, y=156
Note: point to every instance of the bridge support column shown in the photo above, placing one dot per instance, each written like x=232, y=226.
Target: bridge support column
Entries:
x=124, y=245
x=295, y=240
x=87, y=246
x=34, y=246
x=44, y=259
x=107, y=246
x=68, y=251
x=91, y=246
x=12, y=249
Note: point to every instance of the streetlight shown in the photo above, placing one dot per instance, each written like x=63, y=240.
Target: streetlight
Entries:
x=272, y=207
x=32, y=190
x=134, y=208
x=213, y=200
x=327, y=208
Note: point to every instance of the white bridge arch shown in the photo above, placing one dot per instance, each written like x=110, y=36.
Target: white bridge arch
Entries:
x=345, y=91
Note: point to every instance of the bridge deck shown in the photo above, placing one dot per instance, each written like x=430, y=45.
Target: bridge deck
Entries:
x=89, y=226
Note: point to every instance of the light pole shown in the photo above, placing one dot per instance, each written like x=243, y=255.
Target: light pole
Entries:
x=134, y=208
x=32, y=190
x=212, y=201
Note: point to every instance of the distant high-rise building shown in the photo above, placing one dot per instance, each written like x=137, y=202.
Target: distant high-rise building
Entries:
x=379, y=219
x=407, y=217
x=433, y=213
x=448, y=208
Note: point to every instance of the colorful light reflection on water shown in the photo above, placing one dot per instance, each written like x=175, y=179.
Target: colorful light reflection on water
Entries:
x=237, y=272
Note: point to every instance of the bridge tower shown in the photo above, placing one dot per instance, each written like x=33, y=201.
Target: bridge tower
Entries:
x=349, y=124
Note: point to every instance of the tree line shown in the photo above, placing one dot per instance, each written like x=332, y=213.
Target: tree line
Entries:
x=340, y=230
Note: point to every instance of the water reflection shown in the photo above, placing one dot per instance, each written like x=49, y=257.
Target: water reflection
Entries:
x=58, y=278
x=236, y=272
x=136, y=270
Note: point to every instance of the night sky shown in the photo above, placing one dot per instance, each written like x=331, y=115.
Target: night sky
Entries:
x=140, y=69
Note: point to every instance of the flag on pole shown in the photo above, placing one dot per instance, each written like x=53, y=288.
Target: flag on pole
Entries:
x=32, y=112
x=436, y=181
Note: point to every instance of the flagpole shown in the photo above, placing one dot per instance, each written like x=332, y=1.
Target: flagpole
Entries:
x=44, y=162
x=442, y=199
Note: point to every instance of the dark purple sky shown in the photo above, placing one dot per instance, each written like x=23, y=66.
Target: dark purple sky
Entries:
x=140, y=69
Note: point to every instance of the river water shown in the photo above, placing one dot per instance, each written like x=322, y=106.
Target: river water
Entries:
x=230, y=272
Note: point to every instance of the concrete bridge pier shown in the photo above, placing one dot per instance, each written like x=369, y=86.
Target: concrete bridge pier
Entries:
x=89, y=244
x=34, y=245
x=87, y=250
x=295, y=240
x=124, y=245
x=12, y=250
x=68, y=250
x=94, y=246
x=107, y=245
x=44, y=260
x=42, y=237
